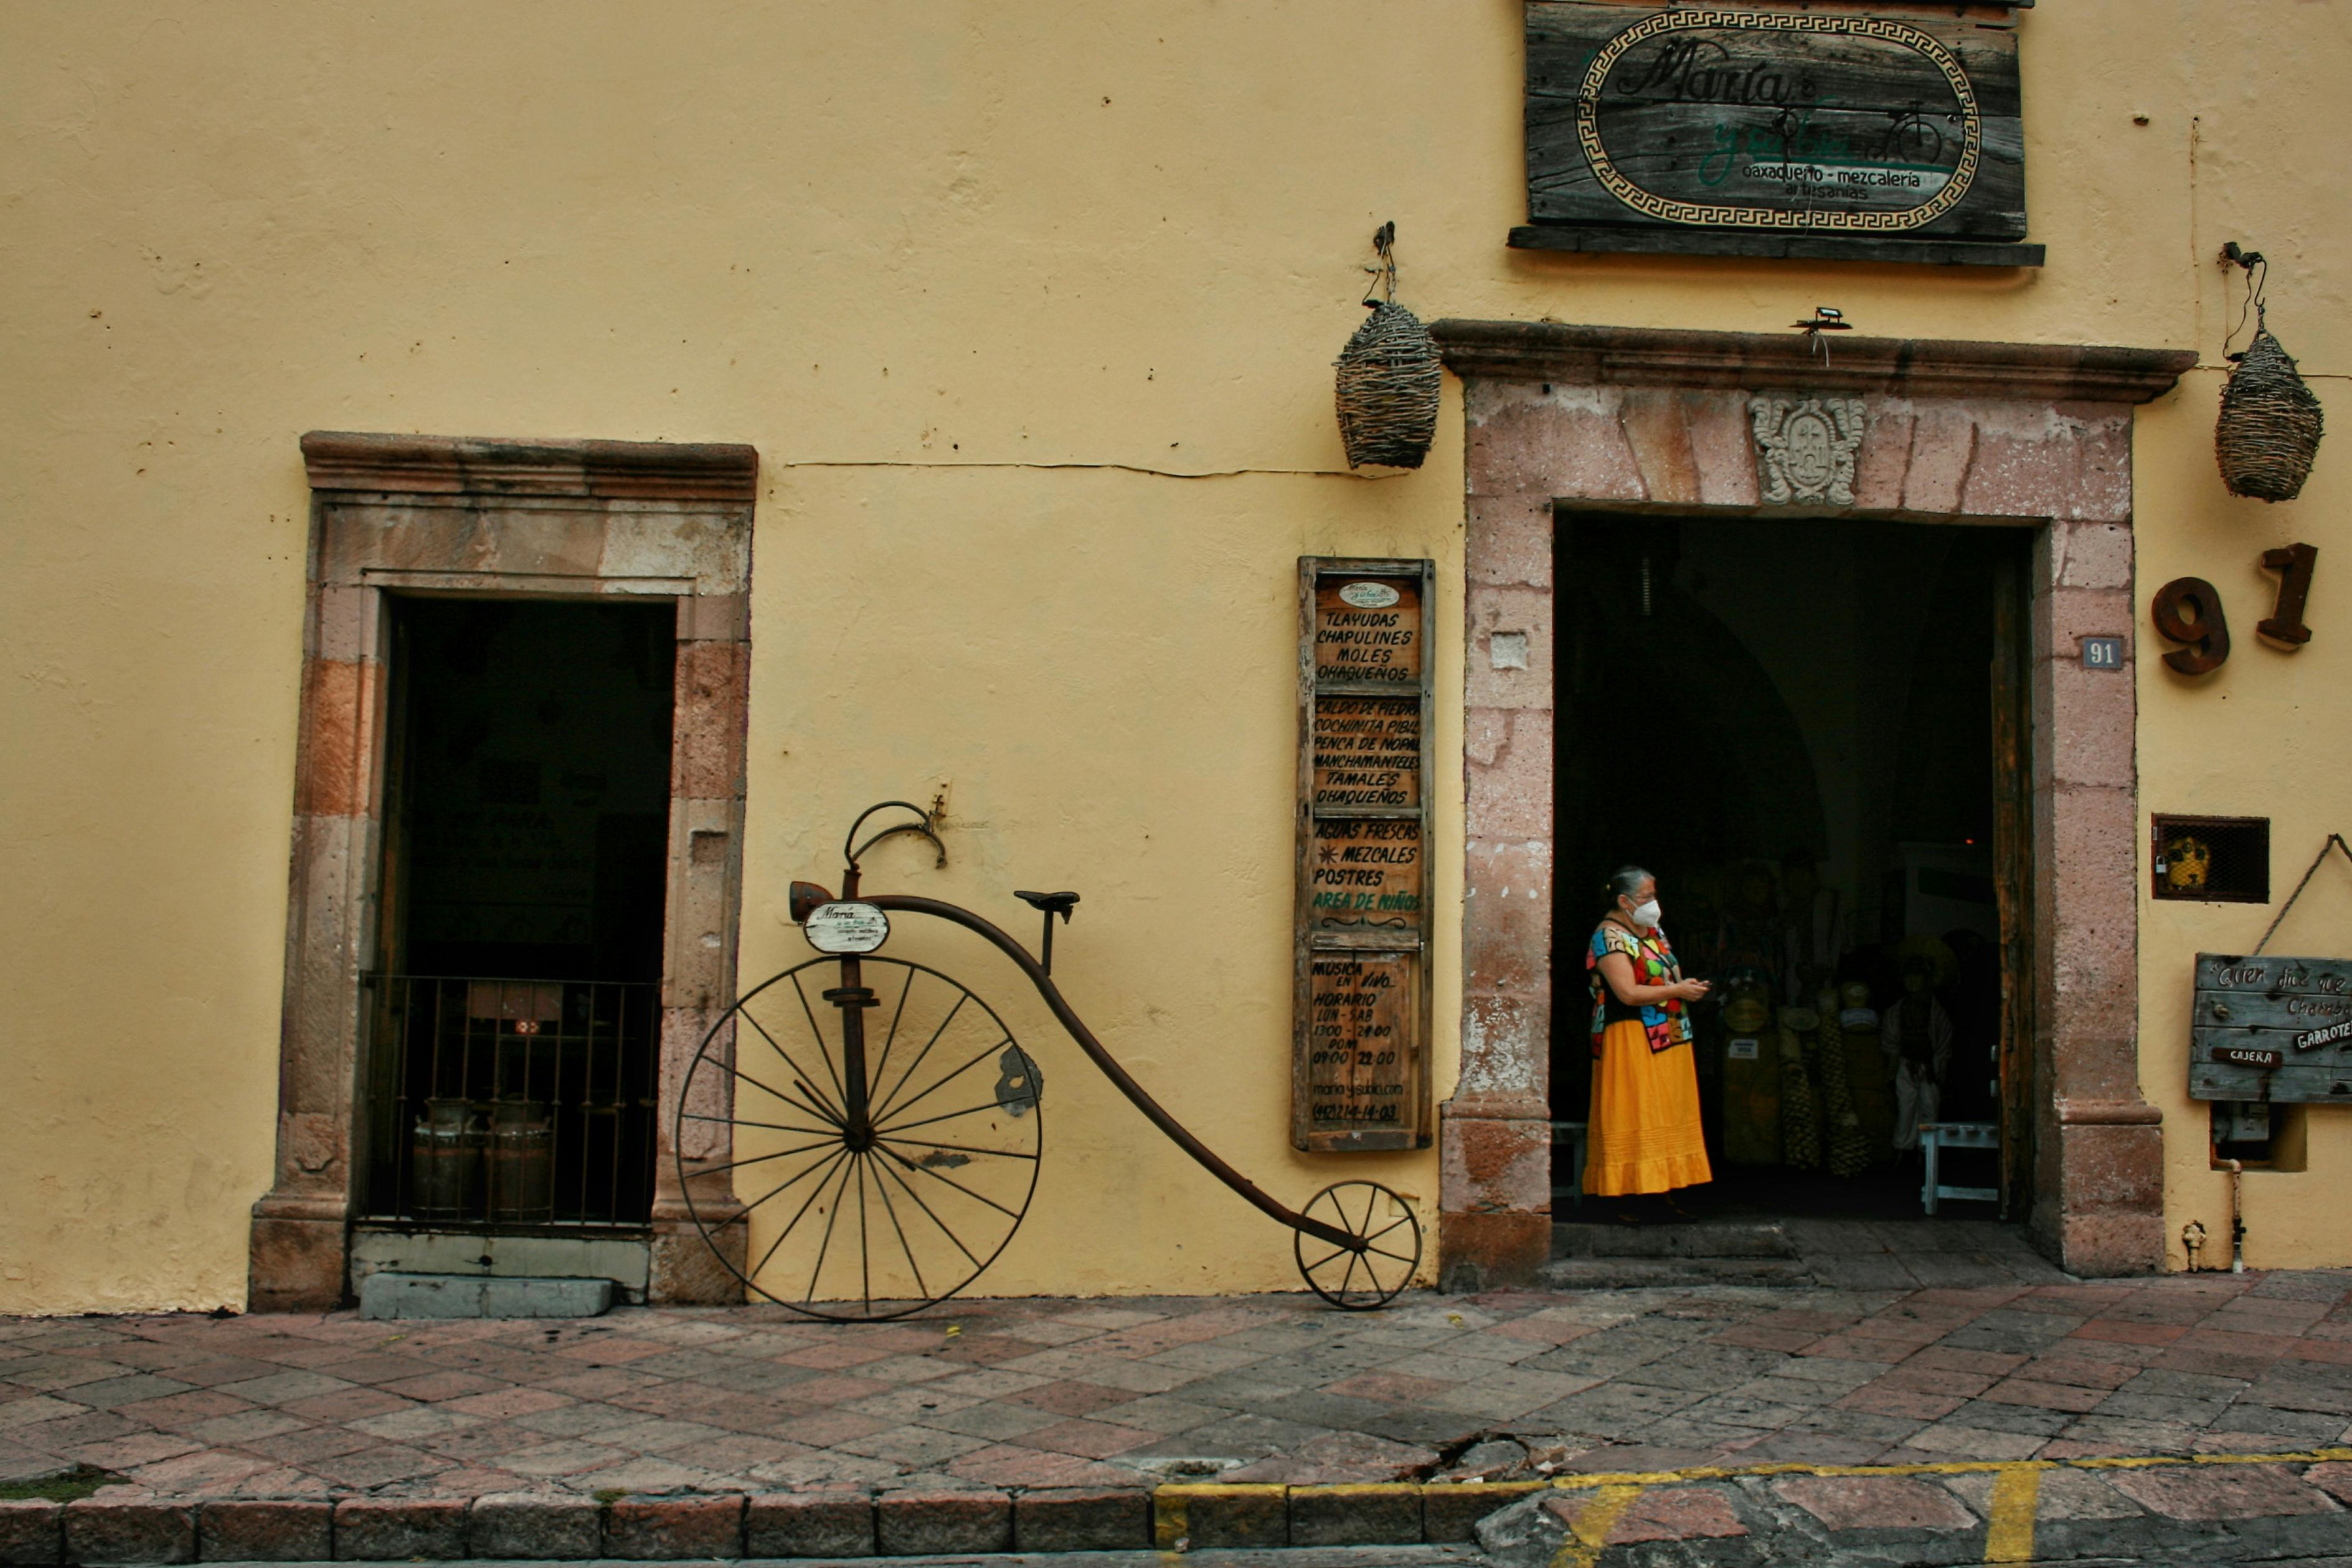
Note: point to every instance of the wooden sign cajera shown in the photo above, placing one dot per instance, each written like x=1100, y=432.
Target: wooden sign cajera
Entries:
x=2272, y=1029
x=1360, y=1003
x=1890, y=132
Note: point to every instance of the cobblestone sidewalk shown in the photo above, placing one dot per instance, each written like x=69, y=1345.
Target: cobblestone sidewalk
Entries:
x=1272, y=1392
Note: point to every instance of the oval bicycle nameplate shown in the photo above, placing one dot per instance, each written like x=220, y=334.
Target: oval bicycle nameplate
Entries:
x=1809, y=167
x=847, y=926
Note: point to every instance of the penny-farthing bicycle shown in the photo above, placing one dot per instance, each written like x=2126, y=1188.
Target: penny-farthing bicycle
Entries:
x=883, y=1128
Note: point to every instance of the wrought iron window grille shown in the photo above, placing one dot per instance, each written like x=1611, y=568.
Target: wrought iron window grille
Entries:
x=511, y=1106
x=2210, y=859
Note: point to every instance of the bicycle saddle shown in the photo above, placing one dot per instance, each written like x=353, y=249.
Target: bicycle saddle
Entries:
x=1052, y=903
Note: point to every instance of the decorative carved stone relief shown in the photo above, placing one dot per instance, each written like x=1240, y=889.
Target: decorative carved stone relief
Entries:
x=1805, y=446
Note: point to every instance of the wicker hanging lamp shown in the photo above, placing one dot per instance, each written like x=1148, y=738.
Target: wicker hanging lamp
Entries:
x=2270, y=422
x=1388, y=375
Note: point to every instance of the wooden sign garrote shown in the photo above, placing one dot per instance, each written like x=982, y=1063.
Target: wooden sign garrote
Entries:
x=1360, y=1006
x=1895, y=123
x=2272, y=1029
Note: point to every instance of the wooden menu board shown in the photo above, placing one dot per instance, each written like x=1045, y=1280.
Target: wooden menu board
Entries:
x=1360, y=1005
x=2273, y=1029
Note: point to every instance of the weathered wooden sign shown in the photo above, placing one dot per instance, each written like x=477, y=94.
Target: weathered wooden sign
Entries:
x=2272, y=1029
x=1361, y=1006
x=1889, y=132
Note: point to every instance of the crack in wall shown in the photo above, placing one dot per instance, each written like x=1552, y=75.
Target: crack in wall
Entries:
x=1114, y=468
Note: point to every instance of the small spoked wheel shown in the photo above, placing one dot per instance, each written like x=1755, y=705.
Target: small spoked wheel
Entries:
x=877, y=1130
x=1386, y=1255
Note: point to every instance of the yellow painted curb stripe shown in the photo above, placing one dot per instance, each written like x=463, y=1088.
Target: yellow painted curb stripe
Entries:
x=2009, y=1538
x=1174, y=1491
x=1590, y=1532
x=1168, y=1522
x=2009, y=1531
x=1937, y=1468
x=1171, y=1505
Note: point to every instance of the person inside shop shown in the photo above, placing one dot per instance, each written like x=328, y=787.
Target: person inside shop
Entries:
x=1916, y=1036
x=1643, y=1141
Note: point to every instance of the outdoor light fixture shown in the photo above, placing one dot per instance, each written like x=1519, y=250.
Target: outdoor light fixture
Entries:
x=1825, y=319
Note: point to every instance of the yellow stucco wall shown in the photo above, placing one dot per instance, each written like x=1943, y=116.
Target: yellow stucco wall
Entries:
x=2268, y=734
x=1029, y=308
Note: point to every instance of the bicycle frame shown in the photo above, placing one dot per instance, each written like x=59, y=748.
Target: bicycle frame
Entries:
x=853, y=1027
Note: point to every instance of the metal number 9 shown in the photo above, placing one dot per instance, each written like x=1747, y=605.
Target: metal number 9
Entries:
x=2204, y=627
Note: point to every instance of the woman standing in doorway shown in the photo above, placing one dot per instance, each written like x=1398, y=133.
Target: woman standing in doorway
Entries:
x=1644, y=1135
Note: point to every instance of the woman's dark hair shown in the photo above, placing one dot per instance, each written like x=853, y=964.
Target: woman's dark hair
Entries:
x=1623, y=880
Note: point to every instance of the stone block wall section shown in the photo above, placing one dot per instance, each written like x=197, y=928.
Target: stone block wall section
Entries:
x=510, y=519
x=2028, y=436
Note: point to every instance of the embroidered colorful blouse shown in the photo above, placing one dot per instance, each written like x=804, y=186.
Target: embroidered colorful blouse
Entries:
x=1653, y=957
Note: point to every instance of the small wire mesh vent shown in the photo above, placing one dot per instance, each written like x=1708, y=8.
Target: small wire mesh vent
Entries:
x=2210, y=859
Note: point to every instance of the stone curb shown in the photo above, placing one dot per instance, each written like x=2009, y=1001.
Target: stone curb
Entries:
x=389, y=1530
x=821, y=1524
x=809, y=1524
x=535, y=1525
x=100, y=1532
x=562, y=1527
x=674, y=1528
x=265, y=1531
x=834, y=1525
x=1081, y=1519
x=938, y=1524
x=1220, y=1514
x=32, y=1532
x=1362, y=1515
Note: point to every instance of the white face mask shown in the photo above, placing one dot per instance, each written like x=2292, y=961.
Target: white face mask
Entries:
x=1646, y=915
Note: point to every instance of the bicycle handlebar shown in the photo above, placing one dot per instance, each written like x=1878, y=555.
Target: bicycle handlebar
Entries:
x=1153, y=1111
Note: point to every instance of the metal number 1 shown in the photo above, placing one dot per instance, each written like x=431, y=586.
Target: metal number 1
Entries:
x=2285, y=622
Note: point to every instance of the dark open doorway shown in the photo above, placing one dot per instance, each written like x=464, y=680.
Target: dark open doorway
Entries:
x=513, y=1013
x=1795, y=725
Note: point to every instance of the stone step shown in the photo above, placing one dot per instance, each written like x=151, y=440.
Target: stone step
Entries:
x=1696, y=1238
x=388, y=1294
x=1662, y=1273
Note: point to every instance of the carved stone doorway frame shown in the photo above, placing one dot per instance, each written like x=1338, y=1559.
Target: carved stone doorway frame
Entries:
x=1723, y=424
x=575, y=520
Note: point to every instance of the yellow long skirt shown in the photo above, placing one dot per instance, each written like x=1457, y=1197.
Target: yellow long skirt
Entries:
x=1644, y=1136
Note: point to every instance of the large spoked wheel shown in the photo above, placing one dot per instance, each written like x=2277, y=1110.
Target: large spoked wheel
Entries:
x=1357, y=1280
x=881, y=1130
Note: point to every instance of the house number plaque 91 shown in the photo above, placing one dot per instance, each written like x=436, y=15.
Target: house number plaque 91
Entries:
x=2188, y=610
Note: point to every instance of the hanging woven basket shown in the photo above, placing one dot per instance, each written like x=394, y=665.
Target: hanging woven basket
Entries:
x=1389, y=377
x=2269, y=426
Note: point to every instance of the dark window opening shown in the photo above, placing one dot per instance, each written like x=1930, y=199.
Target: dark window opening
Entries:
x=513, y=1020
